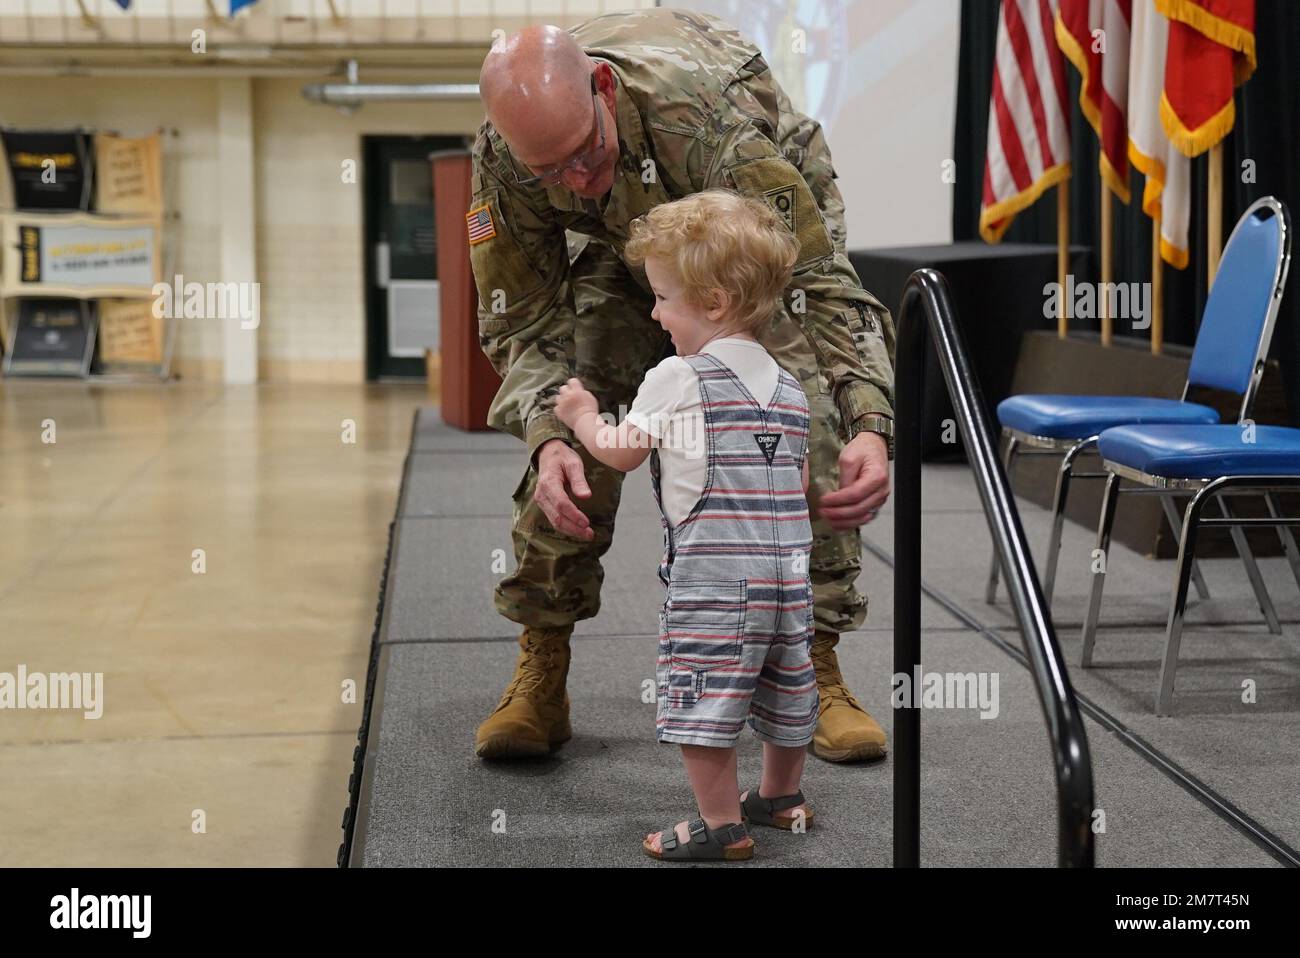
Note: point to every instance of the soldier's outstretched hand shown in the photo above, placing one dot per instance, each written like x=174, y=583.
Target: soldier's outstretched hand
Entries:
x=559, y=473
x=864, y=483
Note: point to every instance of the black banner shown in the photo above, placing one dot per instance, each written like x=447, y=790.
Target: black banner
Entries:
x=52, y=337
x=991, y=909
x=50, y=170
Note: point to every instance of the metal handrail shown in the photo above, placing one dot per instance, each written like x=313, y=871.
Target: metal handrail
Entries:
x=927, y=292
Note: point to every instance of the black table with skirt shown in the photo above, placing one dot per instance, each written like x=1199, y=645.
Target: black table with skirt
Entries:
x=997, y=294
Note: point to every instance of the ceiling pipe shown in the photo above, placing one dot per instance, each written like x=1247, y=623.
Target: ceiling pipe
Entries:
x=354, y=94
x=351, y=94
x=188, y=72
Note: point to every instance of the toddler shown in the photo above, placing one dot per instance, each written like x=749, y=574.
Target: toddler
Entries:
x=726, y=431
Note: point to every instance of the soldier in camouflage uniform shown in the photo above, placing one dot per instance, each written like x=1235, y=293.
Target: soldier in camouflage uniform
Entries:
x=587, y=130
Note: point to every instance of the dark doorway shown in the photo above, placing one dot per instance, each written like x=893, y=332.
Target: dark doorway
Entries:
x=401, y=246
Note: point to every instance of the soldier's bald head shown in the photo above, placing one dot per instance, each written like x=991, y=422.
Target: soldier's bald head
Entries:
x=534, y=85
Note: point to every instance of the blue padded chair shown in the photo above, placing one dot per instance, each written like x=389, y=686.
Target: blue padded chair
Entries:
x=1236, y=328
x=1210, y=462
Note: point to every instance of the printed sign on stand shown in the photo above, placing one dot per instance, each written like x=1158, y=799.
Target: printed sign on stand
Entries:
x=51, y=337
x=128, y=174
x=79, y=255
x=49, y=169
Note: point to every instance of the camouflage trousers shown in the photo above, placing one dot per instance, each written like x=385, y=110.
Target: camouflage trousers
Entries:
x=557, y=579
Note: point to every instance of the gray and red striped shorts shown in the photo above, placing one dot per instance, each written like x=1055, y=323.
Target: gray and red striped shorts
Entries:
x=737, y=624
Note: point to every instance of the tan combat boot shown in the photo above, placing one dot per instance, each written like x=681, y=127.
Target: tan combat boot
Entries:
x=532, y=717
x=846, y=732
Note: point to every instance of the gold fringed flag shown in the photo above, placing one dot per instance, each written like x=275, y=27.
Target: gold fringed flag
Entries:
x=1211, y=51
x=1167, y=196
x=1094, y=35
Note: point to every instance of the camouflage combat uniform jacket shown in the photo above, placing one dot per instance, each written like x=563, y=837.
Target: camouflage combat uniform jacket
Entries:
x=697, y=107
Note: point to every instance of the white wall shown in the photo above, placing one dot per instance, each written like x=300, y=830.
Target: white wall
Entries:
x=309, y=241
x=881, y=78
x=310, y=228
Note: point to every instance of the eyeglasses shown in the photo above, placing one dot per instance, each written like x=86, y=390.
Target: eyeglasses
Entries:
x=552, y=175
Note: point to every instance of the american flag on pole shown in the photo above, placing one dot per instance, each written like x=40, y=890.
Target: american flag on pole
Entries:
x=479, y=223
x=1029, y=132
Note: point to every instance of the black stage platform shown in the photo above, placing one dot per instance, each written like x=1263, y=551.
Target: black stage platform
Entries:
x=443, y=656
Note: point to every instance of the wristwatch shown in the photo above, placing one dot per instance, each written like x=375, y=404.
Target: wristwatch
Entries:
x=877, y=423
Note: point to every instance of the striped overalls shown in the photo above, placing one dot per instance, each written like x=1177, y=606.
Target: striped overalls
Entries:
x=737, y=624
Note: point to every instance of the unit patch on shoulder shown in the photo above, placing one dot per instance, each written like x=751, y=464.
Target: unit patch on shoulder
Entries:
x=479, y=223
x=781, y=199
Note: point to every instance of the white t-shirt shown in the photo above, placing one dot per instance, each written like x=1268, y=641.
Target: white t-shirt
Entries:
x=667, y=406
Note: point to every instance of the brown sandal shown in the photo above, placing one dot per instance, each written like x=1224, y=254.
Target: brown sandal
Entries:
x=756, y=810
x=705, y=844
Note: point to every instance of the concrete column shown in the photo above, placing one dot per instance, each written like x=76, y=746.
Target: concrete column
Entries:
x=238, y=230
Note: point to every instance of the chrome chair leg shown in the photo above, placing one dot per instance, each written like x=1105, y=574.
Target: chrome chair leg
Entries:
x=1063, y=474
x=1175, y=523
x=1109, y=498
x=1288, y=540
x=1252, y=571
x=1174, y=629
x=1008, y=459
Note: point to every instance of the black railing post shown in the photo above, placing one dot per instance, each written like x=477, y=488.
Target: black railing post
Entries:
x=927, y=309
x=909, y=391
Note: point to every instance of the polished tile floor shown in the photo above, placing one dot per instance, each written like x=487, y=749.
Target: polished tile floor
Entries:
x=225, y=737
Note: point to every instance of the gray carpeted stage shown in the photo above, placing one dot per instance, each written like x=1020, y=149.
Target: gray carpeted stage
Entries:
x=988, y=794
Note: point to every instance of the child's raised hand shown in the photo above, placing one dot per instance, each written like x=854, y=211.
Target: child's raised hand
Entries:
x=574, y=401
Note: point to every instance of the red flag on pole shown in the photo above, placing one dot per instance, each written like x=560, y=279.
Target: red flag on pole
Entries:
x=1211, y=50
x=1029, y=133
x=1094, y=34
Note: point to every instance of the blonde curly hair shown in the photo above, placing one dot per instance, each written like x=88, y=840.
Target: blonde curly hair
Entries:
x=719, y=239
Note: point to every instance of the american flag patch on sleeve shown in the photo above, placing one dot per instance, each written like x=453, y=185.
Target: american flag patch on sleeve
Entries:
x=479, y=222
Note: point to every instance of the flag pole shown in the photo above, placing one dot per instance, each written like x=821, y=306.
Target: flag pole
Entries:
x=1063, y=253
x=1157, y=291
x=1214, y=212
x=1107, y=249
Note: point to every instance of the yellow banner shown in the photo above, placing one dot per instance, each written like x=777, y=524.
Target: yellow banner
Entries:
x=128, y=174
x=129, y=332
